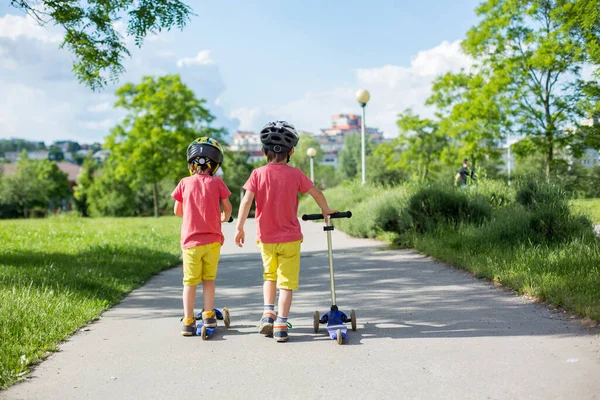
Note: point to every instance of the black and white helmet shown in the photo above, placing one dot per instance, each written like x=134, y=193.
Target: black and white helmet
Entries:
x=279, y=136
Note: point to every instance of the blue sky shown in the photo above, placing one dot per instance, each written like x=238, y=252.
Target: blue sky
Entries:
x=300, y=61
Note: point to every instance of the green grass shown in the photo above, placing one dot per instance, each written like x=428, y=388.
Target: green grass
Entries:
x=57, y=274
x=541, y=249
x=589, y=207
x=565, y=274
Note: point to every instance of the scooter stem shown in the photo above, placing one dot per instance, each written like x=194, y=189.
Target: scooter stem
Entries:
x=328, y=228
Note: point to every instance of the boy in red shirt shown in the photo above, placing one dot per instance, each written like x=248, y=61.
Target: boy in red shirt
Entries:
x=275, y=188
x=198, y=199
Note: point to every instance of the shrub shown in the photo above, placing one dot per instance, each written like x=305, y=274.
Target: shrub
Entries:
x=434, y=205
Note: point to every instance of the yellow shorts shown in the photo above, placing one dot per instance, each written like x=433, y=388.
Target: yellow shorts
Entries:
x=200, y=263
x=281, y=263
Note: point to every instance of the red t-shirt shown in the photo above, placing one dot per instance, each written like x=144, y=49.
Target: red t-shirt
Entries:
x=201, y=197
x=276, y=187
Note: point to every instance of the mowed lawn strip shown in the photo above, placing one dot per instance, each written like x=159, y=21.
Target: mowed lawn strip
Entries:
x=589, y=207
x=57, y=274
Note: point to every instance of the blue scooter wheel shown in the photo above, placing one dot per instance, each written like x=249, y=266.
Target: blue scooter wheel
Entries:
x=339, y=338
x=204, y=333
x=353, y=318
x=316, y=320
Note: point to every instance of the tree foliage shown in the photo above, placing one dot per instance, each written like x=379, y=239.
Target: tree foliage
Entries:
x=90, y=33
x=531, y=46
x=473, y=111
x=350, y=159
x=35, y=183
x=163, y=117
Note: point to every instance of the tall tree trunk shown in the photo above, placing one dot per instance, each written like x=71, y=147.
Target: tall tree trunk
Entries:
x=155, y=192
x=549, y=155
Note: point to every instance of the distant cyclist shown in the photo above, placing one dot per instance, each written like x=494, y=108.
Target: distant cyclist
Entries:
x=465, y=174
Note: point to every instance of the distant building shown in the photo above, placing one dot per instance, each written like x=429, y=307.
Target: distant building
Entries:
x=248, y=142
x=13, y=156
x=591, y=157
x=332, y=139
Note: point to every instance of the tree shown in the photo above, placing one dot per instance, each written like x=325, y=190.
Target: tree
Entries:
x=85, y=179
x=300, y=159
x=163, y=117
x=34, y=184
x=350, y=161
x=90, y=32
x=55, y=153
x=236, y=169
x=418, y=147
x=530, y=44
x=473, y=111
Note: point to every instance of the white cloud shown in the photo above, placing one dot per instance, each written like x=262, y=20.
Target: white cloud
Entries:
x=100, y=107
x=393, y=88
x=14, y=26
x=248, y=117
x=103, y=125
x=202, y=58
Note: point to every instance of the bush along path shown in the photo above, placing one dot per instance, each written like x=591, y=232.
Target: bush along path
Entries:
x=527, y=238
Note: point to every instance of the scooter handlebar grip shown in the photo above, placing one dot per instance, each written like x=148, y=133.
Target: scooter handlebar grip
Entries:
x=313, y=217
x=230, y=220
x=345, y=214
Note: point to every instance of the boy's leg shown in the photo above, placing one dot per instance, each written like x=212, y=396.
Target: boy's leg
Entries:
x=192, y=276
x=210, y=261
x=269, y=288
x=189, y=297
x=288, y=273
x=269, y=291
x=285, y=302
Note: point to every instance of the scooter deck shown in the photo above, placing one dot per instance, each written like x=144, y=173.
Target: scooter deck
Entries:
x=332, y=330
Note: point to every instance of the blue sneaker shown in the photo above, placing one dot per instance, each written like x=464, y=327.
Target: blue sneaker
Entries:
x=266, y=323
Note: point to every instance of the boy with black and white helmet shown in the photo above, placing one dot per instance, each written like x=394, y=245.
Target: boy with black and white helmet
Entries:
x=198, y=200
x=275, y=188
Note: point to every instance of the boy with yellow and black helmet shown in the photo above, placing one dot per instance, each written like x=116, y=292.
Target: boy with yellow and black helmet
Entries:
x=198, y=200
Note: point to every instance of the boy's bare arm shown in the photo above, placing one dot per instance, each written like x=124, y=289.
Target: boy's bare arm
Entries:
x=245, y=205
x=321, y=201
x=178, y=209
x=227, y=208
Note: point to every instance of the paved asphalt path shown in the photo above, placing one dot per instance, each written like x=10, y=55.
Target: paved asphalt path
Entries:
x=426, y=331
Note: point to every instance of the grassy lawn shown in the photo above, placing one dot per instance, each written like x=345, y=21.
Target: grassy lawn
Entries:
x=57, y=274
x=589, y=207
x=565, y=274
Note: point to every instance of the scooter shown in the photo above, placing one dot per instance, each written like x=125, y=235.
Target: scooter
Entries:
x=206, y=332
x=334, y=318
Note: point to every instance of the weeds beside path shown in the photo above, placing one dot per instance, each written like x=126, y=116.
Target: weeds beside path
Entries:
x=527, y=238
x=57, y=274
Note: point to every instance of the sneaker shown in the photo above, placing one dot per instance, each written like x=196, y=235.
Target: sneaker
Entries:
x=188, y=330
x=209, y=319
x=266, y=323
x=280, y=331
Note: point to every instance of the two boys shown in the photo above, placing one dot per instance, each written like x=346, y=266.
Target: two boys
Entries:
x=275, y=189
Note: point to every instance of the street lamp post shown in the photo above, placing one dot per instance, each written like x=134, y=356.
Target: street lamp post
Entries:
x=312, y=152
x=363, y=96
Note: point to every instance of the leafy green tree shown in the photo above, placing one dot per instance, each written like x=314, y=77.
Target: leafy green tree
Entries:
x=350, y=161
x=529, y=43
x=236, y=170
x=300, y=159
x=90, y=33
x=415, y=151
x=57, y=187
x=473, y=112
x=55, y=153
x=34, y=184
x=163, y=117
x=85, y=179
x=110, y=194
